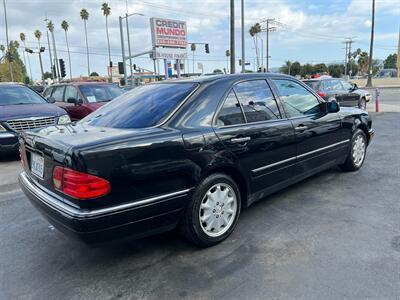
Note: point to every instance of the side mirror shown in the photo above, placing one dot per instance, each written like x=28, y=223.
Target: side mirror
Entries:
x=333, y=107
x=74, y=100
x=51, y=100
x=355, y=86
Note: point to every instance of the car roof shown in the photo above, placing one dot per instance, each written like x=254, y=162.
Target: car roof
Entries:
x=227, y=77
x=82, y=83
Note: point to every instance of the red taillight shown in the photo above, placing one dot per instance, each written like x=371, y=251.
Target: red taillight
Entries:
x=79, y=185
x=322, y=94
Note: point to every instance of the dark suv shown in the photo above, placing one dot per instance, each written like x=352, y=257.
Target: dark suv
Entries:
x=81, y=98
x=344, y=92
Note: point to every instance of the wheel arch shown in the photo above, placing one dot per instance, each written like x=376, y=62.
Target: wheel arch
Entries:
x=237, y=176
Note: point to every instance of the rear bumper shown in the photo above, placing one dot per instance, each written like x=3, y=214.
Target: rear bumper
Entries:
x=135, y=219
x=8, y=142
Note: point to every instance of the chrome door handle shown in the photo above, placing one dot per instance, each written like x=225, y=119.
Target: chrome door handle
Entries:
x=301, y=128
x=241, y=140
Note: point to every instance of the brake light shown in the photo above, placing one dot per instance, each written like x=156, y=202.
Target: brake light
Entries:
x=322, y=94
x=79, y=185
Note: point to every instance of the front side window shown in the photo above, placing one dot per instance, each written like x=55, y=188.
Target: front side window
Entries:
x=347, y=85
x=18, y=94
x=58, y=93
x=230, y=113
x=47, y=92
x=70, y=93
x=257, y=101
x=144, y=106
x=297, y=100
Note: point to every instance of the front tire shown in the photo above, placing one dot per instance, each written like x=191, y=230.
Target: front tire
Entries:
x=212, y=212
x=356, y=156
x=362, y=104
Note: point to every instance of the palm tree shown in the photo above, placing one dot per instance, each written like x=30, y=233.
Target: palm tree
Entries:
x=65, y=25
x=254, y=30
x=22, y=38
x=38, y=35
x=50, y=27
x=85, y=16
x=106, y=12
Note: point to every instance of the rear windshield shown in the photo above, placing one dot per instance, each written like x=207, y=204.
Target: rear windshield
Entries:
x=17, y=94
x=100, y=92
x=144, y=106
x=313, y=84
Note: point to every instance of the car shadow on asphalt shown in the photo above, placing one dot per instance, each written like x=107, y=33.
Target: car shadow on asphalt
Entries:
x=9, y=157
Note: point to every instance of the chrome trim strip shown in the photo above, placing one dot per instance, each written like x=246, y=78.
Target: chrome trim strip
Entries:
x=299, y=156
x=56, y=203
x=274, y=164
x=323, y=148
x=6, y=135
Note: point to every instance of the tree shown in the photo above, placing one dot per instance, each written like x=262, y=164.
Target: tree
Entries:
x=320, y=68
x=47, y=75
x=106, y=12
x=3, y=49
x=254, y=30
x=307, y=70
x=85, y=17
x=336, y=70
x=390, y=62
x=65, y=26
x=18, y=67
x=38, y=35
x=94, y=74
x=218, y=71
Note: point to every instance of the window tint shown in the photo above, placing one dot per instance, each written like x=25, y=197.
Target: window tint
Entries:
x=257, y=101
x=70, y=92
x=141, y=107
x=58, y=93
x=347, y=85
x=230, y=113
x=297, y=100
x=332, y=85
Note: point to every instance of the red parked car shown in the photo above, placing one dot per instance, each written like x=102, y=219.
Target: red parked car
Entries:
x=81, y=98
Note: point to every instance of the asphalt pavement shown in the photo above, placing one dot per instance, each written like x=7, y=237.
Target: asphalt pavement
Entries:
x=333, y=236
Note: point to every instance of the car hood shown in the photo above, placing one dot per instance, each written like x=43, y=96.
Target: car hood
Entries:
x=21, y=111
x=361, y=92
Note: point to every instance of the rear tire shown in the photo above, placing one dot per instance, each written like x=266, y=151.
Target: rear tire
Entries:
x=212, y=212
x=358, y=149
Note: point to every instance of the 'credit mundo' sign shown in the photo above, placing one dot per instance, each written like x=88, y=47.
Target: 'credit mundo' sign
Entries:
x=168, y=33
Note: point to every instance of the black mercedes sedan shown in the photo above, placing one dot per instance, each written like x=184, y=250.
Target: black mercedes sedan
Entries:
x=189, y=153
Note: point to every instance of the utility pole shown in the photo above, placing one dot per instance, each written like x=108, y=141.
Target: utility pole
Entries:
x=53, y=75
x=232, y=36
x=123, y=49
x=8, y=45
x=243, y=54
x=398, y=56
x=267, y=30
x=350, y=41
x=345, y=58
x=371, y=47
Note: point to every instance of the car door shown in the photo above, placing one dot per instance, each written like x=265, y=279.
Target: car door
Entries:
x=320, y=137
x=251, y=126
x=350, y=98
x=74, y=110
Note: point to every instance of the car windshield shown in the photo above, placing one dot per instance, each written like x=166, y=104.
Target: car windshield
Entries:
x=144, y=106
x=100, y=92
x=18, y=94
x=313, y=84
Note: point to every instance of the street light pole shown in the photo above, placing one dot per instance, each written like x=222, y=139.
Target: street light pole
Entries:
x=51, y=58
x=8, y=45
x=243, y=54
x=232, y=29
x=123, y=49
x=129, y=49
x=371, y=46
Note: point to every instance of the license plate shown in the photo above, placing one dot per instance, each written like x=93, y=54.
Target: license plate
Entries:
x=37, y=165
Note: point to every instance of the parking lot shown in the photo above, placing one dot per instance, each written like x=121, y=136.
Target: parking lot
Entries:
x=333, y=236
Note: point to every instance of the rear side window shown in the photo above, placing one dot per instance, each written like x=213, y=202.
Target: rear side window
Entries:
x=58, y=93
x=315, y=85
x=230, y=113
x=257, y=101
x=144, y=106
x=332, y=85
x=47, y=93
x=298, y=101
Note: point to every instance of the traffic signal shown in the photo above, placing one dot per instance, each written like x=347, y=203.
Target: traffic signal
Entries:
x=134, y=67
x=121, y=68
x=207, y=48
x=240, y=61
x=62, y=68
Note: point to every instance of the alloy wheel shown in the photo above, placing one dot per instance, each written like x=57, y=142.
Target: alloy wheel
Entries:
x=358, y=152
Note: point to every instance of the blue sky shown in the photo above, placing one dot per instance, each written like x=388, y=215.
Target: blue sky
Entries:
x=313, y=31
